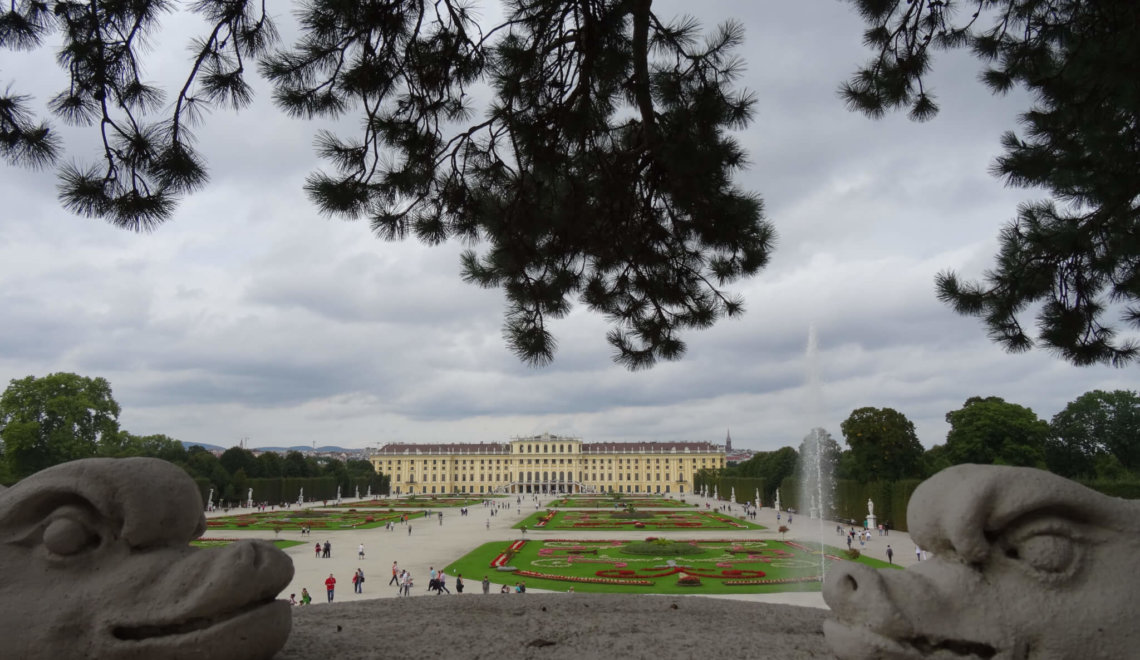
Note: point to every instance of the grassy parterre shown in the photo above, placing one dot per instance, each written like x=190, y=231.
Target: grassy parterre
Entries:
x=588, y=501
x=415, y=503
x=647, y=519
x=613, y=566
x=315, y=518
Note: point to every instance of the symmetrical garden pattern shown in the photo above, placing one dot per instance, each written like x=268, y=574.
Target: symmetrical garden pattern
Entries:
x=654, y=565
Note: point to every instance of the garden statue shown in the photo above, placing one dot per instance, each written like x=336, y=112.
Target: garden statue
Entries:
x=210, y=501
x=369, y=494
x=1026, y=565
x=96, y=562
x=249, y=498
x=301, y=496
x=358, y=492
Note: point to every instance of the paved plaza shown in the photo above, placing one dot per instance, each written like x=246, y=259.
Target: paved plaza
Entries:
x=431, y=544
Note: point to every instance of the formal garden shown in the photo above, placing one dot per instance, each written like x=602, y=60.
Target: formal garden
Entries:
x=418, y=502
x=616, y=500
x=633, y=518
x=655, y=565
x=316, y=519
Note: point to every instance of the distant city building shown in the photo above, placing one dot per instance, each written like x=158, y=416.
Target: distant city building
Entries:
x=732, y=457
x=545, y=464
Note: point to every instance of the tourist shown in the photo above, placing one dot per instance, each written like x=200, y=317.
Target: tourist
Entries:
x=486, y=585
x=890, y=555
x=328, y=550
x=458, y=583
x=442, y=584
x=305, y=597
x=358, y=581
x=395, y=576
x=292, y=599
x=505, y=589
x=917, y=553
x=318, y=549
x=360, y=552
x=330, y=586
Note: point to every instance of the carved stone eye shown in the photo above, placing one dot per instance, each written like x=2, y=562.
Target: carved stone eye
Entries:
x=67, y=536
x=1045, y=552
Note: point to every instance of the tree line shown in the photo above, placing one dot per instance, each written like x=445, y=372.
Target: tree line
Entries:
x=1095, y=438
x=63, y=417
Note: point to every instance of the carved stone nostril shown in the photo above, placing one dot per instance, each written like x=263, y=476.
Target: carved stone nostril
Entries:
x=850, y=583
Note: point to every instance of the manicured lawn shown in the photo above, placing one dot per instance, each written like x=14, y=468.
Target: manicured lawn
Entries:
x=647, y=519
x=415, y=503
x=718, y=566
x=588, y=501
x=319, y=520
x=206, y=542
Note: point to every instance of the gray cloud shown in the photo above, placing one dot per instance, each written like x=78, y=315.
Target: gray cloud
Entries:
x=251, y=316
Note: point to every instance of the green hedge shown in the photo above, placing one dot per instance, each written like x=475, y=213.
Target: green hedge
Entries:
x=890, y=498
x=746, y=487
x=286, y=489
x=1129, y=490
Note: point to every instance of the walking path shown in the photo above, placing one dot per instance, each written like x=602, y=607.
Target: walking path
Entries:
x=431, y=544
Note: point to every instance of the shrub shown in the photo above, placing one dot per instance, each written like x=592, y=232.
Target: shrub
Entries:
x=688, y=581
x=852, y=553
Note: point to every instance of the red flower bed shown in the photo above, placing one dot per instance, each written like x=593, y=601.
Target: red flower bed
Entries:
x=594, y=580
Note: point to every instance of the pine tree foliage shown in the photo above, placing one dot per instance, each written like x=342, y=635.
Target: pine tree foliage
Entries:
x=601, y=170
x=1073, y=260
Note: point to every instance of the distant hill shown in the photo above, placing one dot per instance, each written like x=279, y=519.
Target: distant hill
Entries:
x=203, y=445
x=279, y=450
x=304, y=448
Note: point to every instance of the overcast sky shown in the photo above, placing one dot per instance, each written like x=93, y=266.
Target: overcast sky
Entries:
x=250, y=316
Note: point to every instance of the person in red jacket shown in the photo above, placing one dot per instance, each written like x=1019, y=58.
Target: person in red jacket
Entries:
x=330, y=585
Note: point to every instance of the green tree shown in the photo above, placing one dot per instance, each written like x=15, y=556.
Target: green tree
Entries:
x=991, y=431
x=935, y=460
x=60, y=417
x=771, y=466
x=295, y=465
x=1095, y=424
x=155, y=446
x=239, y=458
x=1074, y=258
x=600, y=171
x=883, y=445
x=270, y=464
x=358, y=467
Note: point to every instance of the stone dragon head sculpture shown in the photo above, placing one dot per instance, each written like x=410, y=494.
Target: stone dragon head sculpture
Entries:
x=96, y=562
x=1026, y=565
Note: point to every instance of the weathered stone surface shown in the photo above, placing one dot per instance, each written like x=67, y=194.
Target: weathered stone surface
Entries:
x=95, y=563
x=1026, y=565
x=555, y=627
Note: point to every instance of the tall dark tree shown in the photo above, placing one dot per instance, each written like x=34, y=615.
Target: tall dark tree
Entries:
x=883, y=445
x=59, y=417
x=771, y=466
x=240, y=458
x=1074, y=258
x=601, y=170
x=1094, y=425
x=990, y=430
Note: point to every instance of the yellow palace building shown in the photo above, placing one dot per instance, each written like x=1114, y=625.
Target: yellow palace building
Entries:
x=545, y=464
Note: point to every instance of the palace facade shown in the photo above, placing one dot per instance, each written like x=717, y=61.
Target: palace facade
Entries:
x=545, y=464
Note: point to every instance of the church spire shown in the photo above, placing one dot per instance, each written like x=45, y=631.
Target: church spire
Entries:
x=727, y=441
